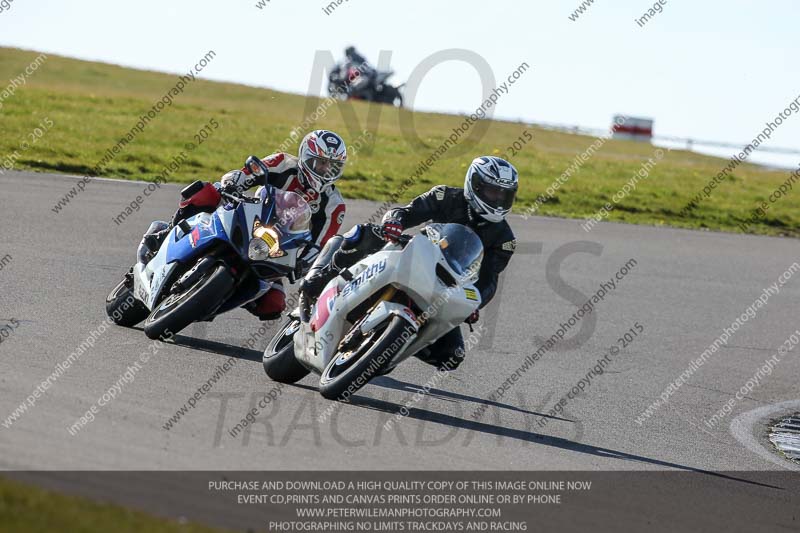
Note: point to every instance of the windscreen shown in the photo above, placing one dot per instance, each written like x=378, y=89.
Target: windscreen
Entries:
x=460, y=246
x=294, y=213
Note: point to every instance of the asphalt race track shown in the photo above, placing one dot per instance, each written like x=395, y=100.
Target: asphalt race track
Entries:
x=683, y=289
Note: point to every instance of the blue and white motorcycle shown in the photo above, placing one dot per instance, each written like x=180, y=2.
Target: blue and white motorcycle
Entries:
x=214, y=262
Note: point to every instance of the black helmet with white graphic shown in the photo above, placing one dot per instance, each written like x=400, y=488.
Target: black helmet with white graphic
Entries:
x=490, y=187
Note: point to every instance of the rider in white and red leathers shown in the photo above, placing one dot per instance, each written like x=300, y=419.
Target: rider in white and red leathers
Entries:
x=320, y=162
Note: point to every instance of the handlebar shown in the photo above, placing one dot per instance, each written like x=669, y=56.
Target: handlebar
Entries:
x=402, y=240
x=236, y=196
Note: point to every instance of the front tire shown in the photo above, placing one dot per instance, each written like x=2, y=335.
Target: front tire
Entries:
x=341, y=377
x=280, y=364
x=122, y=307
x=177, y=311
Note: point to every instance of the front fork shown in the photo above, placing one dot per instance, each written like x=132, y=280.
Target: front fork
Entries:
x=355, y=332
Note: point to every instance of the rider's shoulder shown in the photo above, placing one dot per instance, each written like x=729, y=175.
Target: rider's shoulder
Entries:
x=280, y=161
x=443, y=192
x=334, y=195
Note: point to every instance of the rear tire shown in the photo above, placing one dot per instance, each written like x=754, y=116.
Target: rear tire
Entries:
x=391, y=95
x=280, y=364
x=122, y=307
x=372, y=356
x=176, y=312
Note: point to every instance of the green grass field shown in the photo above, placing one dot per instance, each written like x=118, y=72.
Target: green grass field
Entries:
x=26, y=509
x=93, y=105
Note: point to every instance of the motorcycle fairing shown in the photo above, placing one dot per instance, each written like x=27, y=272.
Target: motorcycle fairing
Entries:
x=391, y=266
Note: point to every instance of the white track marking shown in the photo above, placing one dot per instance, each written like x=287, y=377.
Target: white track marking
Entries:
x=742, y=430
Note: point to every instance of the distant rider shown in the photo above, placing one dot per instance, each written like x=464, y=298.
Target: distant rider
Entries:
x=356, y=60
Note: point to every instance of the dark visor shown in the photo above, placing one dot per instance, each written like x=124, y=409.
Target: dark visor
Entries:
x=494, y=195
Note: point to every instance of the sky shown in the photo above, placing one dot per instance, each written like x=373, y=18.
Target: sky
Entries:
x=714, y=70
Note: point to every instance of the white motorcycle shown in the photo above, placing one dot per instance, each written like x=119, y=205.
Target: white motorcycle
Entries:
x=382, y=310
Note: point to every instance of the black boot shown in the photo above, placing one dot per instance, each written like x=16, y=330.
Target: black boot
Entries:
x=446, y=354
x=320, y=273
x=442, y=364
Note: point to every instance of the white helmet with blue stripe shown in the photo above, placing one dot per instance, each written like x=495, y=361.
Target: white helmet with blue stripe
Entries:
x=490, y=187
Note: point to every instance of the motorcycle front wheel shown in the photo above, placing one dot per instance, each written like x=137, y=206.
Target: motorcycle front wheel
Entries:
x=280, y=364
x=177, y=311
x=122, y=307
x=350, y=370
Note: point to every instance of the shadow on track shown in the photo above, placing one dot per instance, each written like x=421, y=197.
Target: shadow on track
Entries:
x=221, y=348
x=417, y=413
x=447, y=396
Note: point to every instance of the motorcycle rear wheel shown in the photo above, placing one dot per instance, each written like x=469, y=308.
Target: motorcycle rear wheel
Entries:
x=348, y=372
x=177, y=311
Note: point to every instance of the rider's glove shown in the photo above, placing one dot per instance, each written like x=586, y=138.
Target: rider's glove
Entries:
x=391, y=230
x=471, y=319
x=234, y=181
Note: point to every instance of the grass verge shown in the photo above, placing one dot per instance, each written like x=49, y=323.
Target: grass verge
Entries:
x=92, y=105
x=27, y=509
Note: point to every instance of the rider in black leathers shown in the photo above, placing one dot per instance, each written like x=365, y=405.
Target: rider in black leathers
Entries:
x=482, y=205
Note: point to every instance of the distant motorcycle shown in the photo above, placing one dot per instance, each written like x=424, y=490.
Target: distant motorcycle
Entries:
x=214, y=262
x=382, y=310
x=347, y=81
